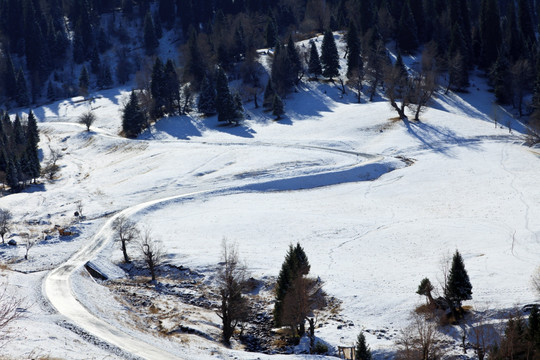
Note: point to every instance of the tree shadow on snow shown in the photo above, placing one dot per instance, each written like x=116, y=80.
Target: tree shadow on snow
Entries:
x=439, y=139
x=179, y=127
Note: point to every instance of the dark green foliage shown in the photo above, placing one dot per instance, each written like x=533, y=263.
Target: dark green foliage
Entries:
x=269, y=94
x=362, y=351
x=353, y=49
x=283, y=75
x=104, y=80
x=158, y=89
x=526, y=24
x=294, y=59
x=407, y=35
x=151, y=41
x=271, y=33
x=490, y=33
x=314, y=66
x=457, y=62
x=133, y=118
x=513, y=36
x=277, y=107
x=458, y=286
x=533, y=330
x=329, y=56
x=84, y=82
x=171, y=88
x=167, y=12
x=195, y=66
x=500, y=80
x=207, y=98
x=226, y=106
x=425, y=287
x=21, y=96
x=296, y=265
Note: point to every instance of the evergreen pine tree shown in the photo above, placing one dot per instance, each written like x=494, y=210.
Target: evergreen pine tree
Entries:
x=362, y=351
x=526, y=23
x=500, y=79
x=296, y=265
x=157, y=89
x=167, y=12
x=12, y=175
x=95, y=62
x=269, y=94
x=10, y=78
x=133, y=118
x=407, y=36
x=195, y=67
x=490, y=33
x=458, y=286
x=171, y=88
x=294, y=58
x=353, y=49
x=238, y=108
x=207, y=98
x=533, y=328
x=282, y=73
x=277, y=107
x=84, y=82
x=150, y=39
x=329, y=56
x=457, y=63
x=105, y=80
x=158, y=29
x=513, y=36
x=22, y=90
x=271, y=33
x=314, y=66
x=225, y=104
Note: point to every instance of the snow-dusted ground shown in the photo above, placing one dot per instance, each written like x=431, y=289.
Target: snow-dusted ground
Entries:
x=376, y=203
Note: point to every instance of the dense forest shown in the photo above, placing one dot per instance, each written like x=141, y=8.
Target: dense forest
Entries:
x=53, y=49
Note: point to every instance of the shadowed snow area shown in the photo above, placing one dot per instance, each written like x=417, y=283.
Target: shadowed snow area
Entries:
x=376, y=203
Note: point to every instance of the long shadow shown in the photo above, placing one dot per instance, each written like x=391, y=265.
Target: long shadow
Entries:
x=365, y=172
x=479, y=103
x=179, y=127
x=440, y=140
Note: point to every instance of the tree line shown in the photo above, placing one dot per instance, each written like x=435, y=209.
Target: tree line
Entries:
x=19, y=157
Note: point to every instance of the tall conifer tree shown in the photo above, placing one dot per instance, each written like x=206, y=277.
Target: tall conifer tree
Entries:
x=329, y=56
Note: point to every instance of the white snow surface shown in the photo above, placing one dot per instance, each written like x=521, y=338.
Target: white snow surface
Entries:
x=332, y=176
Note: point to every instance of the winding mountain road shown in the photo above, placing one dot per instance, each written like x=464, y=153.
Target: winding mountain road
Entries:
x=57, y=285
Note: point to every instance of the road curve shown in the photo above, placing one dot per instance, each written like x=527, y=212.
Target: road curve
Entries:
x=57, y=285
x=57, y=288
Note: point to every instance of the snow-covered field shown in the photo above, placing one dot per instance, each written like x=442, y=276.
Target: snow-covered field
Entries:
x=376, y=203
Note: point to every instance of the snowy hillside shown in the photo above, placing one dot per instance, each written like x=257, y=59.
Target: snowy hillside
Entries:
x=376, y=203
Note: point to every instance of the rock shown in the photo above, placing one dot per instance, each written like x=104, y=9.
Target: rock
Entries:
x=12, y=242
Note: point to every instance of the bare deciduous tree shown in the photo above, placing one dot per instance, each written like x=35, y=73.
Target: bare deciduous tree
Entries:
x=5, y=222
x=30, y=242
x=87, y=119
x=10, y=310
x=79, y=208
x=398, y=88
x=419, y=341
x=232, y=276
x=125, y=231
x=51, y=168
x=152, y=252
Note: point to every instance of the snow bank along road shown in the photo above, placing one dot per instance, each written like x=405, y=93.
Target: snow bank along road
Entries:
x=57, y=285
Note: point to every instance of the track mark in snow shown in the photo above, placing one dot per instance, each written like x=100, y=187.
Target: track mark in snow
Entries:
x=504, y=158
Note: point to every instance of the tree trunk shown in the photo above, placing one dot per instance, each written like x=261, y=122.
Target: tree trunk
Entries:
x=124, y=251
